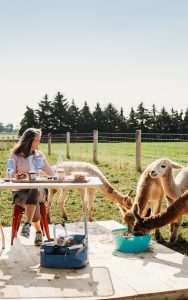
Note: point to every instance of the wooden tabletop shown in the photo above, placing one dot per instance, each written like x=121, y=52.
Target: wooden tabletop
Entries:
x=93, y=182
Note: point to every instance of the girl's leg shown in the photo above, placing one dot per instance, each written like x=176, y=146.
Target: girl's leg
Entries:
x=29, y=211
x=30, y=205
x=36, y=223
x=30, y=208
x=36, y=218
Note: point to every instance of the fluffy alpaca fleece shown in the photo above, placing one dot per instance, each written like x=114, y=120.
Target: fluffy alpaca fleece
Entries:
x=106, y=189
x=175, y=210
x=150, y=193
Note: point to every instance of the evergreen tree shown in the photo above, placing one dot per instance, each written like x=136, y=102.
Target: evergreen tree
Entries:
x=122, y=122
x=142, y=116
x=163, y=121
x=111, y=117
x=44, y=114
x=99, y=118
x=180, y=121
x=176, y=121
x=29, y=120
x=132, y=123
x=185, y=122
x=73, y=117
x=152, y=120
x=60, y=114
x=86, y=122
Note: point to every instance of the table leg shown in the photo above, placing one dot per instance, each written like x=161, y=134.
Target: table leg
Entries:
x=86, y=212
x=2, y=235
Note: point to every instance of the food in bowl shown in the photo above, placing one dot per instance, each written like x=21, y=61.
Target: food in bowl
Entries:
x=126, y=242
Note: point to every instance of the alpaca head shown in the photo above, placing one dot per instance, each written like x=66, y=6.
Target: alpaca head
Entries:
x=139, y=227
x=163, y=166
x=129, y=219
x=125, y=202
x=125, y=209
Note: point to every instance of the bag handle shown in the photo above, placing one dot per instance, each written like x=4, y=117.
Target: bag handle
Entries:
x=54, y=229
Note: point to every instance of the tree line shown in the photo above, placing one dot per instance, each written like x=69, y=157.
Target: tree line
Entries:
x=58, y=116
x=8, y=128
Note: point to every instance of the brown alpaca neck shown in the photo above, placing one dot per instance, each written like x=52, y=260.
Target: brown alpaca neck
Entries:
x=143, y=191
x=114, y=196
x=169, y=186
x=149, y=190
x=177, y=209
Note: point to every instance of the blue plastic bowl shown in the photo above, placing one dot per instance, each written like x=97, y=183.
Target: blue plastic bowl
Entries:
x=130, y=244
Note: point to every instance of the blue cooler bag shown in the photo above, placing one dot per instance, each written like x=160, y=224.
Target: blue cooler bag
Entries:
x=65, y=257
x=68, y=251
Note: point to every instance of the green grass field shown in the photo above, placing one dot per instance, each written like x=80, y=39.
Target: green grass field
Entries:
x=117, y=162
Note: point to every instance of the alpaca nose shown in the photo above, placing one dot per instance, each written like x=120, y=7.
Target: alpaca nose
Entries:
x=152, y=172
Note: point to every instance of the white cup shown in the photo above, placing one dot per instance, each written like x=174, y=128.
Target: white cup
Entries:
x=61, y=173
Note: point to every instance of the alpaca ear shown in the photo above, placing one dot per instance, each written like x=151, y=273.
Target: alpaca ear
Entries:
x=128, y=199
x=148, y=213
x=135, y=210
x=176, y=165
x=129, y=193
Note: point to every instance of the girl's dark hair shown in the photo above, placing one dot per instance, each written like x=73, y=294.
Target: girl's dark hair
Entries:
x=26, y=140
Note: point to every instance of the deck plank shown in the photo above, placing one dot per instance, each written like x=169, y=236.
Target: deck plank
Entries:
x=159, y=272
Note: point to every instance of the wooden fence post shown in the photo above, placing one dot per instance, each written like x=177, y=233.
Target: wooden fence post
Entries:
x=49, y=143
x=68, y=144
x=95, y=144
x=138, y=150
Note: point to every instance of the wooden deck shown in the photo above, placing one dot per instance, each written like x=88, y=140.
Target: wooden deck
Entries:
x=158, y=273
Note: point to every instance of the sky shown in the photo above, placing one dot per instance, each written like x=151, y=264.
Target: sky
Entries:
x=122, y=52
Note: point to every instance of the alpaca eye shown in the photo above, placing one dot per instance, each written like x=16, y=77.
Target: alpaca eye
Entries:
x=163, y=166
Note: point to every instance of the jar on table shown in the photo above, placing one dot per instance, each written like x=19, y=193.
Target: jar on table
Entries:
x=32, y=175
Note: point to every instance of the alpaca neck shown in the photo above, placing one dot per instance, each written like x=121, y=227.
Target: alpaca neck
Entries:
x=114, y=196
x=170, y=187
x=177, y=209
x=143, y=189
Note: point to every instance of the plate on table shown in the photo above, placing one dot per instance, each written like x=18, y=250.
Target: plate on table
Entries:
x=79, y=176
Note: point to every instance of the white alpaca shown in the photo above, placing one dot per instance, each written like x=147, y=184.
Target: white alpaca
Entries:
x=106, y=188
x=150, y=193
x=173, y=187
